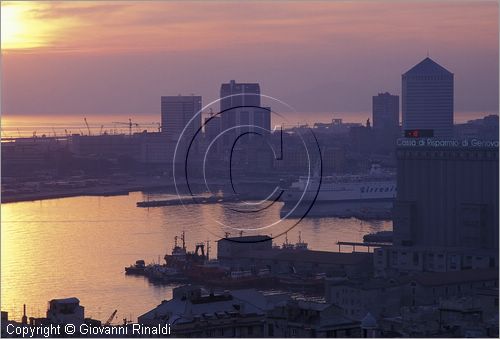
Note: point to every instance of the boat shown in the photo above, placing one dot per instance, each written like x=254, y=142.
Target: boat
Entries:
x=368, y=195
x=163, y=274
x=301, y=245
x=136, y=269
x=381, y=236
x=181, y=259
x=178, y=266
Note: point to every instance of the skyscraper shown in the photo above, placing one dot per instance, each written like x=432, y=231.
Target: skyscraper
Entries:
x=176, y=112
x=246, y=125
x=385, y=111
x=427, y=100
x=240, y=105
x=385, y=114
x=234, y=94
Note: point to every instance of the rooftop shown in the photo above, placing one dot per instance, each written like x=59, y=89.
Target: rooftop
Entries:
x=248, y=238
x=455, y=277
x=428, y=67
x=238, y=302
x=65, y=301
x=320, y=257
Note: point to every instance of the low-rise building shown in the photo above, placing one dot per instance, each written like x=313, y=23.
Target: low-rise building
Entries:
x=426, y=288
x=303, y=262
x=310, y=319
x=385, y=297
x=239, y=313
x=388, y=260
x=66, y=311
x=358, y=297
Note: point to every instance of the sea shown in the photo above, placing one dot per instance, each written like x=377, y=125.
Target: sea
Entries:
x=79, y=247
x=24, y=125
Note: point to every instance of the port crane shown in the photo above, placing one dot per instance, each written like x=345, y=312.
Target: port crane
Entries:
x=110, y=319
x=129, y=124
x=87, y=124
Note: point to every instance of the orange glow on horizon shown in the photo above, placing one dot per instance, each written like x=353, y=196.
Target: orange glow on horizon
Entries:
x=24, y=26
x=105, y=26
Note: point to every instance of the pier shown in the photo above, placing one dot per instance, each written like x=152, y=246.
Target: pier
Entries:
x=194, y=200
x=362, y=244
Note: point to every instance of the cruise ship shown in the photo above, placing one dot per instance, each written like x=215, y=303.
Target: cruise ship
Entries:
x=368, y=195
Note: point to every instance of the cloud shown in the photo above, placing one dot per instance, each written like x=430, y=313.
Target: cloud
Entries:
x=109, y=27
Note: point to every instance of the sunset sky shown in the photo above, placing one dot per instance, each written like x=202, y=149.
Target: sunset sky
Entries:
x=120, y=57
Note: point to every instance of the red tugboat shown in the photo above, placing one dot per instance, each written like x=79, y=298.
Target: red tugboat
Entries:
x=181, y=259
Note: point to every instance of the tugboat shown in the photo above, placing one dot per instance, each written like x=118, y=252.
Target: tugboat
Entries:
x=181, y=259
x=178, y=266
x=163, y=274
x=381, y=236
x=139, y=268
x=301, y=245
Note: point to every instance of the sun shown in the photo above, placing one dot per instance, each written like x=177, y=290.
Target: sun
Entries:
x=13, y=27
x=21, y=28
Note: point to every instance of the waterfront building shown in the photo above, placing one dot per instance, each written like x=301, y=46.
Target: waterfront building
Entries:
x=246, y=127
x=302, y=262
x=310, y=319
x=66, y=311
x=239, y=313
x=176, y=114
x=230, y=246
x=212, y=128
x=357, y=297
x=30, y=155
x=385, y=112
x=106, y=145
x=240, y=104
x=428, y=288
x=235, y=94
x=447, y=196
x=384, y=297
x=446, y=211
x=427, y=100
x=457, y=317
x=361, y=138
x=483, y=128
x=248, y=313
x=385, y=115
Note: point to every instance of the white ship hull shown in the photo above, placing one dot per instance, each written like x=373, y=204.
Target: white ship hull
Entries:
x=374, y=209
x=347, y=192
x=368, y=196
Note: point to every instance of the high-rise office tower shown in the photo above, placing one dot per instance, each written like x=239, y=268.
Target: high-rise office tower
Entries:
x=176, y=113
x=240, y=105
x=245, y=126
x=385, y=114
x=385, y=111
x=427, y=100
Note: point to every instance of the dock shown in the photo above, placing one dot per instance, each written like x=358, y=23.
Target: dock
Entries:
x=194, y=200
x=362, y=244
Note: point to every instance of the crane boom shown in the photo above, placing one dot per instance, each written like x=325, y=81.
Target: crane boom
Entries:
x=87, y=124
x=129, y=124
x=111, y=317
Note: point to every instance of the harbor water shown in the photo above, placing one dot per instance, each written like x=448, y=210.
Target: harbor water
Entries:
x=79, y=247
